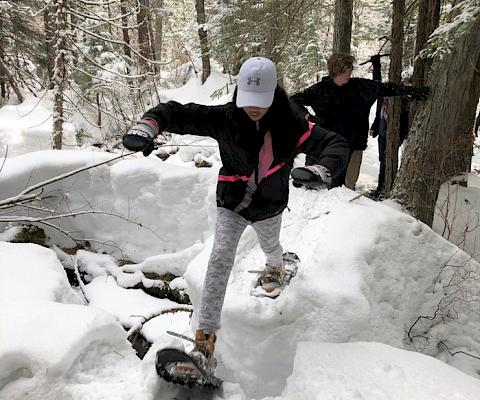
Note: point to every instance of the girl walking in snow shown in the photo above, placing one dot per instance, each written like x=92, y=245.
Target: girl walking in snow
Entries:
x=258, y=133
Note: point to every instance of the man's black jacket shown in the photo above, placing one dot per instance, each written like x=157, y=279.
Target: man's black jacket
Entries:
x=345, y=109
x=240, y=140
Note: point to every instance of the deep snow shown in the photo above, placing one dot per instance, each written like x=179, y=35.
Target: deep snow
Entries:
x=339, y=331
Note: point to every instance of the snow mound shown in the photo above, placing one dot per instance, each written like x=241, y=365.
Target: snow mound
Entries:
x=147, y=187
x=358, y=281
x=32, y=272
x=50, y=349
x=52, y=352
x=373, y=371
x=118, y=200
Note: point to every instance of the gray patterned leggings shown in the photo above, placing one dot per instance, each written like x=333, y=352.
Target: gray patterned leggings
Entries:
x=228, y=230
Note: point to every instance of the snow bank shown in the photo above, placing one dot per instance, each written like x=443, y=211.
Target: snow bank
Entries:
x=178, y=198
x=373, y=371
x=50, y=349
x=31, y=272
x=363, y=276
x=457, y=216
x=141, y=207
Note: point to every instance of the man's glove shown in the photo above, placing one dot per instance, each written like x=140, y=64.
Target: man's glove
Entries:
x=312, y=176
x=140, y=136
x=421, y=93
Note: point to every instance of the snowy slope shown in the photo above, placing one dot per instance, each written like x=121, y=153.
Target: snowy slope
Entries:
x=126, y=191
x=375, y=372
x=51, y=345
x=368, y=272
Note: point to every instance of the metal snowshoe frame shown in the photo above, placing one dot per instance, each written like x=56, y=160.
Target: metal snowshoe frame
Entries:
x=166, y=360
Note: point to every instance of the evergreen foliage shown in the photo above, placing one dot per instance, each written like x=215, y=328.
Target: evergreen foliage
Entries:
x=22, y=44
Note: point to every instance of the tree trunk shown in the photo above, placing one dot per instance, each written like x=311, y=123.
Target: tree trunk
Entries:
x=273, y=34
x=342, y=32
x=99, y=111
x=60, y=72
x=49, y=39
x=159, y=30
x=125, y=33
x=5, y=75
x=440, y=141
x=428, y=20
x=394, y=103
x=143, y=37
x=151, y=40
x=202, y=34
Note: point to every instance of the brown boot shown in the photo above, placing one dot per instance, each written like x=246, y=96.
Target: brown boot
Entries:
x=205, y=343
x=202, y=353
x=272, y=278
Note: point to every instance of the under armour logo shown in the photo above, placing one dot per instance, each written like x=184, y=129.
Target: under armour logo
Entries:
x=256, y=80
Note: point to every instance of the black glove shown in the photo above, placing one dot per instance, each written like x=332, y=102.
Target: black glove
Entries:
x=421, y=93
x=312, y=176
x=140, y=137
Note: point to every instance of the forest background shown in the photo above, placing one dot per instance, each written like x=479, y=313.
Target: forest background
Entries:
x=106, y=62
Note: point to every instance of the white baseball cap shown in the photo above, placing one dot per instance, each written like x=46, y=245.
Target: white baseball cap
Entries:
x=256, y=84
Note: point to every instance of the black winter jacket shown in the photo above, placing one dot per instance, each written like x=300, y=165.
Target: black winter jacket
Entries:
x=240, y=140
x=345, y=109
x=381, y=129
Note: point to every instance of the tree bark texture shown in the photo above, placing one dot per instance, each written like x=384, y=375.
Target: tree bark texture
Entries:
x=159, y=13
x=428, y=20
x=342, y=32
x=59, y=72
x=440, y=141
x=394, y=103
x=202, y=35
x=126, y=35
x=273, y=35
x=48, y=21
x=143, y=30
x=5, y=75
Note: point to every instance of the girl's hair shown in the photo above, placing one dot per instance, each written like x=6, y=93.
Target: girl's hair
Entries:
x=287, y=123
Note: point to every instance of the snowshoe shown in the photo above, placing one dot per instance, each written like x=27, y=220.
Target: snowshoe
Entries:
x=377, y=194
x=176, y=366
x=272, y=280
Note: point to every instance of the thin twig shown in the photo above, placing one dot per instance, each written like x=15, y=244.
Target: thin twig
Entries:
x=456, y=352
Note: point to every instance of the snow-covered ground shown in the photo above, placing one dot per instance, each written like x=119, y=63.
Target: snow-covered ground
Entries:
x=371, y=280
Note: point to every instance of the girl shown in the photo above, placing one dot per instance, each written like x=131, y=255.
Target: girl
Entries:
x=259, y=134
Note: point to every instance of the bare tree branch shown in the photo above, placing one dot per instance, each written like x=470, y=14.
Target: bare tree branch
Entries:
x=135, y=330
x=23, y=195
x=71, y=215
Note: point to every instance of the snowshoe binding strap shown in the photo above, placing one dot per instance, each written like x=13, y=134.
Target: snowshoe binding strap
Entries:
x=272, y=281
x=272, y=278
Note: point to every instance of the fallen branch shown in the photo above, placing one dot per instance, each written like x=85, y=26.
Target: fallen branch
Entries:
x=81, y=285
x=456, y=352
x=73, y=214
x=135, y=329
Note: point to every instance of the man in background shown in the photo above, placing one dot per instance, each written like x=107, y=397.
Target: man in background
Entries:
x=342, y=104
